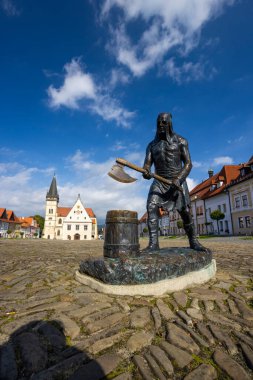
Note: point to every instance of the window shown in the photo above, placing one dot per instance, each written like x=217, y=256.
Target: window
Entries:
x=237, y=202
x=51, y=211
x=69, y=227
x=247, y=221
x=49, y=218
x=85, y=228
x=219, y=207
x=244, y=200
x=226, y=226
x=224, y=207
x=77, y=227
x=60, y=221
x=221, y=225
x=85, y=237
x=58, y=233
x=240, y=221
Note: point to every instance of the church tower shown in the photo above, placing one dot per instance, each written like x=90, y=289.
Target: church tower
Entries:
x=52, y=200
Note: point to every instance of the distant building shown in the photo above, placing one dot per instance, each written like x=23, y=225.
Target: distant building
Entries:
x=29, y=227
x=241, y=200
x=68, y=223
x=211, y=195
x=9, y=222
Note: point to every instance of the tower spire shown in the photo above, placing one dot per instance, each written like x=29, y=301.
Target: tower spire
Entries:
x=53, y=193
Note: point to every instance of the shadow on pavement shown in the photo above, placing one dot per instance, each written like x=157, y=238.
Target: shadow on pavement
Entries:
x=39, y=351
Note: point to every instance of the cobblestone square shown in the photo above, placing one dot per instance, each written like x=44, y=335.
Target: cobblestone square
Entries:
x=52, y=327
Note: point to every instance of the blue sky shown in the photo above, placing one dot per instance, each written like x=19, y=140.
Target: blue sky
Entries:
x=82, y=83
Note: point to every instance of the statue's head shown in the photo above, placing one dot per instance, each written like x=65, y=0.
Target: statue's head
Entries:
x=164, y=125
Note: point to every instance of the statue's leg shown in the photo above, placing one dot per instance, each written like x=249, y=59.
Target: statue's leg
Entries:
x=190, y=230
x=152, y=209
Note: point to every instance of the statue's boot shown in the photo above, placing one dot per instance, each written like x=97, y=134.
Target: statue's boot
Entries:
x=193, y=241
x=153, y=236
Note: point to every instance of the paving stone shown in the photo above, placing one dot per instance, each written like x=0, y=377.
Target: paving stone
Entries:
x=248, y=354
x=70, y=327
x=247, y=313
x=157, y=318
x=180, y=338
x=97, y=369
x=228, y=365
x=155, y=367
x=8, y=367
x=221, y=306
x=195, y=303
x=54, y=336
x=248, y=295
x=139, y=340
x=194, y=313
x=206, y=333
x=218, y=318
x=223, y=285
x=209, y=305
x=142, y=367
x=194, y=335
x=63, y=368
x=224, y=338
x=244, y=338
x=181, y=357
x=105, y=343
x=140, y=318
x=162, y=359
x=240, y=320
x=232, y=307
x=204, y=371
x=20, y=324
x=32, y=353
x=180, y=298
x=89, y=309
x=100, y=314
x=235, y=295
x=124, y=305
x=185, y=317
x=165, y=311
x=208, y=294
x=124, y=376
x=106, y=322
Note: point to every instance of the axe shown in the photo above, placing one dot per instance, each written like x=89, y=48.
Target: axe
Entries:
x=117, y=172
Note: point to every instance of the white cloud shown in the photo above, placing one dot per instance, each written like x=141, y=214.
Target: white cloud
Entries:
x=191, y=183
x=197, y=164
x=189, y=71
x=169, y=24
x=80, y=87
x=9, y=8
x=223, y=160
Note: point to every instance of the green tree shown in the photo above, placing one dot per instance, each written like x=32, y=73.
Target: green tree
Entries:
x=180, y=224
x=41, y=221
x=217, y=215
x=22, y=234
x=145, y=230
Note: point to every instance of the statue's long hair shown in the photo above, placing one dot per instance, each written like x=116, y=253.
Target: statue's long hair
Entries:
x=169, y=130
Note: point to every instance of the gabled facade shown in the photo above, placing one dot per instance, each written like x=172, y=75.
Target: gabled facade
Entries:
x=68, y=223
x=211, y=195
x=9, y=222
x=241, y=200
x=29, y=228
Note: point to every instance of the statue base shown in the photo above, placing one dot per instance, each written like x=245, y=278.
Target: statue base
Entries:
x=154, y=273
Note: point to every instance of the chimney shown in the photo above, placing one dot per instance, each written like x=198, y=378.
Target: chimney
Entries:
x=210, y=173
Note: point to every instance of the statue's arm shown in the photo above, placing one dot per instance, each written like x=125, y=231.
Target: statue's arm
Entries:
x=148, y=162
x=186, y=159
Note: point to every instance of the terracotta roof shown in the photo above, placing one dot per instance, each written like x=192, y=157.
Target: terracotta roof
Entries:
x=144, y=218
x=63, y=211
x=90, y=212
x=14, y=218
x=2, y=211
x=227, y=174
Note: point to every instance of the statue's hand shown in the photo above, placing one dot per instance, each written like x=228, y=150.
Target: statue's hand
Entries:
x=147, y=174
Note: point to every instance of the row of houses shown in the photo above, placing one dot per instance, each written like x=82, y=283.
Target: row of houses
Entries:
x=12, y=226
x=229, y=191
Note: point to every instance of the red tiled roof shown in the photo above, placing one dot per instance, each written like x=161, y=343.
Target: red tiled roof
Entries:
x=226, y=174
x=90, y=212
x=63, y=211
x=144, y=218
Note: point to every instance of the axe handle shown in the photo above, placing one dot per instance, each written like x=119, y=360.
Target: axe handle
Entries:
x=141, y=170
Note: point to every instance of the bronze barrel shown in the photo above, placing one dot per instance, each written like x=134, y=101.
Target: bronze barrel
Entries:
x=121, y=234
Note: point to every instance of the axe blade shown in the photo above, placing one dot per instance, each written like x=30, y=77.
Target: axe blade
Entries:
x=117, y=172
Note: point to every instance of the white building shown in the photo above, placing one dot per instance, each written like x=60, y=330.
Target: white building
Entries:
x=68, y=223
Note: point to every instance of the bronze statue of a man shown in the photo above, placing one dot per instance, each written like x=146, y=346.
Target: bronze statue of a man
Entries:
x=171, y=158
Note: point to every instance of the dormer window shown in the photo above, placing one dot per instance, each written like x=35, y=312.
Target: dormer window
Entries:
x=242, y=172
x=213, y=187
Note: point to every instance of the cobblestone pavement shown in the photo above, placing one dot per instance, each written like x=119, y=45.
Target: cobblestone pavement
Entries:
x=52, y=327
